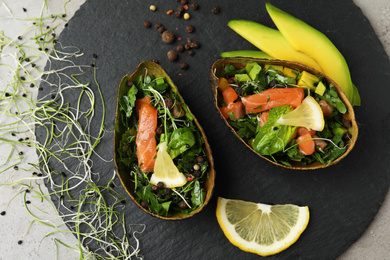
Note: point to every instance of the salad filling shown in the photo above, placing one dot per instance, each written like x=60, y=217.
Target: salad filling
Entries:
x=286, y=115
x=162, y=148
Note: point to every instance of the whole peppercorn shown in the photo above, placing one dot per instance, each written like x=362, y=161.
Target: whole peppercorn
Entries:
x=154, y=187
x=238, y=90
x=191, y=52
x=180, y=48
x=147, y=24
x=183, y=2
x=160, y=196
x=157, y=25
x=129, y=83
x=194, y=6
x=160, y=184
x=195, y=45
x=178, y=14
x=167, y=191
x=187, y=46
x=196, y=167
x=168, y=37
x=155, y=61
x=161, y=29
x=159, y=130
x=200, y=159
x=231, y=81
x=196, y=173
x=184, y=66
x=168, y=102
x=186, y=16
x=144, y=204
x=172, y=55
x=215, y=10
x=180, y=9
x=182, y=204
x=152, y=8
x=190, y=177
x=189, y=28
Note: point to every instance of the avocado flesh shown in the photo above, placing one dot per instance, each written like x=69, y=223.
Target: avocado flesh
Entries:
x=270, y=41
x=306, y=39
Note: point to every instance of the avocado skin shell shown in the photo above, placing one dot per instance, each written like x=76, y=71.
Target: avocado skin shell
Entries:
x=239, y=63
x=124, y=176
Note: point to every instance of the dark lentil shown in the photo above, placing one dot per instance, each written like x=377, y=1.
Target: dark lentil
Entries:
x=172, y=55
x=194, y=6
x=161, y=29
x=168, y=102
x=191, y=52
x=147, y=24
x=184, y=66
x=189, y=28
x=180, y=48
x=168, y=37
x=215, y=10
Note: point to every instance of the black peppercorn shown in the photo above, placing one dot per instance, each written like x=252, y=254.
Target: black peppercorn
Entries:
x=187, y=46
x=2, y=213
x=129, y=83
x=215, y=10
x=272, y=83
x=20, y=153
x=168, y=102
x=155, y=61
x=144, y=204
x=275, y=128
x=160, y=184
x=189, y=28
x=172, y=55
x=20, y=242
x=161, y=29
x=195, y=45
x=200, y=159
x=194, y=6
x=159, y=130
x=32, y=85
x=196, y=173
x=33, y=65
x=180, y=9
x=231, y=81
x=191, y=52
x=94, y=56
x=183, y=2
x=167, y=191
x=160, y=196
x=157, y=25
x=184, y=66
x=182, y=204
x=178, y=14
x=180, y=48
x=238, y=91
x=168, y=37
x=147, y=24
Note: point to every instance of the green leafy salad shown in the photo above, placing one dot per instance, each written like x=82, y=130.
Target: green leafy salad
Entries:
x=161, y=147
x=289, y=116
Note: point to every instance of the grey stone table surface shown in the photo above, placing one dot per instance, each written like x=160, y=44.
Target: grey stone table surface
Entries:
x=374, y=244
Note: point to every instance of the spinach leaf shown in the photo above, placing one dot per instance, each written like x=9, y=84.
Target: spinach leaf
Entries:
x=127, y=103
x=127, y=153
x=333, y=99
x=246, y=127
x=197, y=195
x=181, y=140
x=271, y=137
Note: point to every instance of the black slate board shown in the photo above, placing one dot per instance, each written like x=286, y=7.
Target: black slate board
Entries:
x=343, y=199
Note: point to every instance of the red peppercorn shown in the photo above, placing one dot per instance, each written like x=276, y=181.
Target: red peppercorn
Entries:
x=190, y=177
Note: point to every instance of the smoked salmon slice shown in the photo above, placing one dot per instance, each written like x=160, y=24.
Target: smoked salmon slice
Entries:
x=145, y=141
x=236, y=108
x=271, y=98
x=139, y=102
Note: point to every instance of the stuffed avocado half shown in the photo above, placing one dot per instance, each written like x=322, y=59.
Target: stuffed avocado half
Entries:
x=161, y=153
x=287, y=113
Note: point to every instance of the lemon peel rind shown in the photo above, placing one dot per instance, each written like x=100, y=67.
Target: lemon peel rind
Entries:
x=252, y=247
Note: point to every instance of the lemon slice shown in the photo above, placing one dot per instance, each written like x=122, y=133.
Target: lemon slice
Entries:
x=308, y=114
x=166, y=171
x=259, y=228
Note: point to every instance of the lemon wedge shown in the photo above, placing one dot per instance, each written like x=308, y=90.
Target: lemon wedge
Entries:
x=308, y=114
x=260, y=228
x=165, y=170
